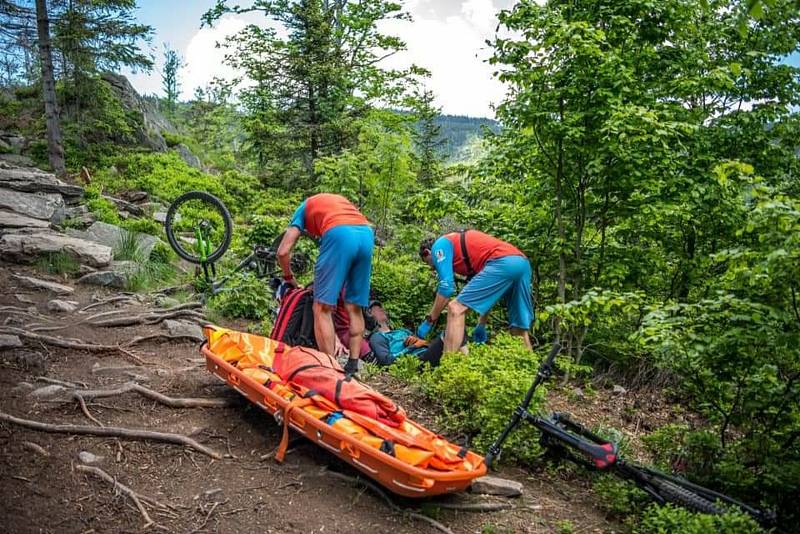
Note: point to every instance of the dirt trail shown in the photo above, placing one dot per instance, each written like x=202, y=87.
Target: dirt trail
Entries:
x=239, y=493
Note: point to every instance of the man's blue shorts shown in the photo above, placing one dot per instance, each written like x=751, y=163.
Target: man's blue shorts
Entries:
x=508, y=277
x=345, y=259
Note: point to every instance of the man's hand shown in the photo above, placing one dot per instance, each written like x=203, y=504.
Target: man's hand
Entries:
x=339, y=349
x=414, y=341
x=290, y=281
x=424, y=329
x=479, y=334
x=351, y=367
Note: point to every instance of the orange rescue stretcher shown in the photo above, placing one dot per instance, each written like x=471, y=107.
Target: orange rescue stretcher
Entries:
x=419, y=464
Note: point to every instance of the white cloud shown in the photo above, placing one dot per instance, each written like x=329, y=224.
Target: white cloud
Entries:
x=454, y=50
x=204, y=60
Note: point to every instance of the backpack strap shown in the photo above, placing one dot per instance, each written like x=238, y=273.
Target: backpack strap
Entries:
x=465, y=254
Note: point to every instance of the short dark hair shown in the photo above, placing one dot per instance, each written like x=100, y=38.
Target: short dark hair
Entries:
x=425, y=246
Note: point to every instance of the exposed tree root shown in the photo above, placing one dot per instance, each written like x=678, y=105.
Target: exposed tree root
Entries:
x=73, y=385
x=159, y=337
x=35, y=447
x=122, y=488
x=172, y=402
x=474, y=506
x=112, y=300
x=382, y=494
x=71, y=343
x=110, y=431
x=148, y=318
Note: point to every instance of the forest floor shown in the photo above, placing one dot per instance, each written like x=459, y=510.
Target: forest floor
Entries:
x=43, y=489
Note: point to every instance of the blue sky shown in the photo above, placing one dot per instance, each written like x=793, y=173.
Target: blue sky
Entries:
x=447, y=37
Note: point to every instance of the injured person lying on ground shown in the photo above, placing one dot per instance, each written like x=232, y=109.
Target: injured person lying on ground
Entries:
x=387, y=343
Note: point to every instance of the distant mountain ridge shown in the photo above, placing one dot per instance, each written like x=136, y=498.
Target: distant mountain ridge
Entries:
x=458, y=131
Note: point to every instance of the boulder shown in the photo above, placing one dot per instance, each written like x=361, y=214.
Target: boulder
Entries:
x=25, y=247
x=111, y=235
x=619, y=390
x=45, y=285
x=13, y=141
x=188, y=156
x=17, y=160
x=160, y=217
x=8, y=341
x=124, y=205
x=116, y=279
x=15, y=220
x=31, y=180
x=489, y=485
x=87, y=457
x=45, y=206
x=153, y=122
x=62, y=306
x=47, y=391
x=136, y=196
x=184, y=328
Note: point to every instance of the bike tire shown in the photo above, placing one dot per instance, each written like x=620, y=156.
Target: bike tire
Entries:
x=214, y=202
x=675, y=494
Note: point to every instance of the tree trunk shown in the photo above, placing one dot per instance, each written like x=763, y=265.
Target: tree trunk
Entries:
x=55, y=150
x=562, y=261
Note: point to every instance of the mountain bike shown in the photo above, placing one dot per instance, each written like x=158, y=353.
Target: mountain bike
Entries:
x=570, y=440
x=199, y=229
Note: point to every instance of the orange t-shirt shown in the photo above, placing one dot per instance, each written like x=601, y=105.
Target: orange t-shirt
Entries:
x=481, y=248
x=326, y=210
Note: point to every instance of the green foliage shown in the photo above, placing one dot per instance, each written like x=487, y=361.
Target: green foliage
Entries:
x=103, y=209
x=58, y=263
x=173, y=139
x=245, y=296
x=145, y=225
x=406, y=368
x=619, y=497
x=564, y=526
x=404, y=285
x=162, y=253
x=150, y=274
x=128, y=247
x=669, y=519
x=478, y=392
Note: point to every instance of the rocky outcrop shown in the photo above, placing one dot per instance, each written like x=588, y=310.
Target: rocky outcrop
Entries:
x=45, y=206
x=115, y=279
x=31, y=180
x=153, y=122
x=27, y=247
x=111, y=235
x=15, y=220
x=43, y=285
x=188, y=156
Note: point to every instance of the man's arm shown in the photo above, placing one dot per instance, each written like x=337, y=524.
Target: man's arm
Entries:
x=290, y=237
x=442, y=255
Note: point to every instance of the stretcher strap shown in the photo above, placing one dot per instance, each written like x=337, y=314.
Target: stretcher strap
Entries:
x=297, y=402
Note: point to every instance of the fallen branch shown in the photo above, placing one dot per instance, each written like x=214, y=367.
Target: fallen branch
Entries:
x=35, y=447
x=122, y=488
x=360, y=481
x=474, y=506
x=71, y=343
x=110, y=431
x=172, y=402
x=160, y=337
x=112, y=300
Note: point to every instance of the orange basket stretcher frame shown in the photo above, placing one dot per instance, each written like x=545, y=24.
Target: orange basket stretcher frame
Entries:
x=395, y=475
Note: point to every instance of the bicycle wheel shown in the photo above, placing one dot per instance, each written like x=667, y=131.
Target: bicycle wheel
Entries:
x=684, y=497
x=199, y=227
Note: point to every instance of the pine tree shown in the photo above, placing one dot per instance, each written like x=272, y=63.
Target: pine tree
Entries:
x=173, y=62
x=55, y=149
x=428, y=139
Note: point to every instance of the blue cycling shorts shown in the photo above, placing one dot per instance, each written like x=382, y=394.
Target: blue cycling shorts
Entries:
x=345, y=260
x=509, y=278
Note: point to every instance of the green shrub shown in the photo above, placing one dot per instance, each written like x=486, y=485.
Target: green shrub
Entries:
x=162, y=253
x=143, y=225
x=618, y=496
x=478, y=392
x=406, y=368
x=404, y=284
x=173, y=139
x=127, y=248
x=103, y=209
x=244, y=296
x=669, y=519
x=150, y=274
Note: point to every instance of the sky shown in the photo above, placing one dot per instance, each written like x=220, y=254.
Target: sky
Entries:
x=447, y=37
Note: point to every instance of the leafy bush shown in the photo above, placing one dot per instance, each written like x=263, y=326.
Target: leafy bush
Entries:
x=127, y=248
x=162, y=253
x=149, y=274
x=173, y=139
x=404, y=284
x=478, y=392
x=669, y=519
x=103, y=209
x=618, y=496
x=143, y=225
x=245, y=296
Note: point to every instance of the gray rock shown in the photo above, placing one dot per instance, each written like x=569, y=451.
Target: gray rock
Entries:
x=23, y=388
x=8, y=341
x=87, y=457
x=111, y=235
x=37, y=283
x=184, y=328
x=27, y=247
x=124, y=205
x=34, y=362
x=17, y=160
x=160, y=216
x=116, y=279
x=85, y=269
x=187, y=156
x=47, y=391
x=619, y=390
x=62, y=306
x=137, y=196
x=32, y=180
x=13, y=141
x=163, y=301
x=5, y=146
x=15, y=220
x=489, y=485
x=578, y=393
x=45, y=206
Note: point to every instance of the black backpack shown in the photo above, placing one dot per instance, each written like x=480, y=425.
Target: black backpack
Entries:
x=295, y=323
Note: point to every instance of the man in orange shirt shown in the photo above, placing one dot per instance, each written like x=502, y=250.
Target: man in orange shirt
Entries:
x=345, y=260
x=495, y=270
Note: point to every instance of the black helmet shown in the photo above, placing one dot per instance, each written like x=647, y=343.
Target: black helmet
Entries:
x=425, y=247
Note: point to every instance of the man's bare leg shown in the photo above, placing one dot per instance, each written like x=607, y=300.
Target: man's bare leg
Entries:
x=526, y=337
x=356, y=329
x=323, y=328
x=454, y=331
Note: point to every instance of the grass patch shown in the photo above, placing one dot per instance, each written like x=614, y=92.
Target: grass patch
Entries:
x=149, y=275
x=128, y=248
x=58, y=263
